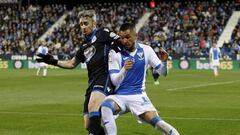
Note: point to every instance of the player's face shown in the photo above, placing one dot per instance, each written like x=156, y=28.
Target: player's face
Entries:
x=214, y=45
x=128, y=38
x=87, y=25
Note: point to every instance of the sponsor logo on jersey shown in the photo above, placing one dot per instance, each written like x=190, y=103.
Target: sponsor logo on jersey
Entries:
x=89, y=53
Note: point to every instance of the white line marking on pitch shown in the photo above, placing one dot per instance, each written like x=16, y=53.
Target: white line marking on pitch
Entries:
x=79, y=115
x=209, y=119
x=201, y=85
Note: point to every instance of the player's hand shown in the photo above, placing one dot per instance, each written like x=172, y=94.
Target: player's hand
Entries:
x=47, y=59
x=163, y=55
x=128, y=64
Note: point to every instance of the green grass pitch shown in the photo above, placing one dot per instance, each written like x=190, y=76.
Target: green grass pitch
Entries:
x=195, y=102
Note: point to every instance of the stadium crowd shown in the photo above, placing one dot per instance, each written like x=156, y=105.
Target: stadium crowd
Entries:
x=189, y=28
x=185, y=28
x=20, y=28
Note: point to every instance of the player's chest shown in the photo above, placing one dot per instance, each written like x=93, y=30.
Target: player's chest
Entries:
x=94, y=51
x=138, y=59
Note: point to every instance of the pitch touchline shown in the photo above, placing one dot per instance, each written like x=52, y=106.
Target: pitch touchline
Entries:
x=78, y=115
x=201, y=85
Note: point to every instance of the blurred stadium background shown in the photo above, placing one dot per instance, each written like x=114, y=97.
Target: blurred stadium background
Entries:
x=190, y=98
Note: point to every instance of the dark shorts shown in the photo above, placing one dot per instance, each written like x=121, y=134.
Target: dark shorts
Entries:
x=101, y=84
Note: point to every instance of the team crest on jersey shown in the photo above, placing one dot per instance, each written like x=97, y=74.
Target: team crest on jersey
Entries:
x=125, y=58
x=140, y=56
x=89, y=52
x=93, y=39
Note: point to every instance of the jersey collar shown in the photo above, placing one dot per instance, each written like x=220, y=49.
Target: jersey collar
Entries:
x=137, y=47
x=91, y=35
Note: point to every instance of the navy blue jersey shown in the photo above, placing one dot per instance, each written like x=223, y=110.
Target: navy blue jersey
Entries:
x=94, y=51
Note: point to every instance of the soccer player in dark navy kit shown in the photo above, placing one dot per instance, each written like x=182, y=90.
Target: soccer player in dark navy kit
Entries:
x=94, y=51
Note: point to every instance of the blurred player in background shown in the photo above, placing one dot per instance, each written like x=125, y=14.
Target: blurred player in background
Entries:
x=42, y=49
x=127, y=72
x=94, y=51
x=214, y=57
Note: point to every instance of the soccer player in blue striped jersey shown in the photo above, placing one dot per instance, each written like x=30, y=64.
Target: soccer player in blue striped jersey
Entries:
x=214, y=57
x=127, y=72
x=42, y=49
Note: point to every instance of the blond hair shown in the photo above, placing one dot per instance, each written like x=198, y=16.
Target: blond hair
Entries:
x=88, y=13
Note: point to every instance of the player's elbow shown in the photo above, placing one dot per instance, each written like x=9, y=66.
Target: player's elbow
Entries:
x=163, y=71
x=72, y=64
x=114, y=81
x=66, y=64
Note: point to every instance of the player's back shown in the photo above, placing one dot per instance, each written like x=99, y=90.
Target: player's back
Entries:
x=214, y=51
x=42, y=50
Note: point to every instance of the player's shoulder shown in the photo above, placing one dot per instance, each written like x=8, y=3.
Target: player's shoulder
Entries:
x=114, y=55
x=142, y=45
x=145, y=47
x=103, y=29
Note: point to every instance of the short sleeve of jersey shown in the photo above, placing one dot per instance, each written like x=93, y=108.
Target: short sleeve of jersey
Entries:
x=39, y=49
x=80, y=56
x=111, y=38
x=219, y=51
x=210, y=51
x=153, y=60
x=114, y=62
x=108, y=35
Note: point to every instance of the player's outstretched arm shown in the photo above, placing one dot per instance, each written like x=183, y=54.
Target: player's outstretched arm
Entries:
x=163, y=55
x=49, y=59
x=158, y=61
x=70, y=64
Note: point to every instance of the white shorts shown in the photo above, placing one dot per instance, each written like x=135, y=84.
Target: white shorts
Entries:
x=215, y=63
x=136, y=104
x=42, y=64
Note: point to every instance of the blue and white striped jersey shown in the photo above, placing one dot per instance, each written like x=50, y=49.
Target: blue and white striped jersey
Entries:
x=133, y=81
x=215, y=53
x=42, y=50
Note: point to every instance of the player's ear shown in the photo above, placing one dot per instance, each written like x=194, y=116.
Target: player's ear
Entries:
x=94, y=23
x=136, y=34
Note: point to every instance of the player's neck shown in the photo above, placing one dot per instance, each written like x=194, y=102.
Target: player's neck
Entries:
x=131, y=49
